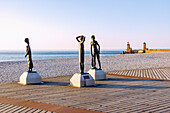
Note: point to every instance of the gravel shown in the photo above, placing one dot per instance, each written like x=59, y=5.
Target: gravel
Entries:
x=12, y=70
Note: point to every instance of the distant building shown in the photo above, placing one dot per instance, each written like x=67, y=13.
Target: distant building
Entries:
x=145, y=50
x=129, y=49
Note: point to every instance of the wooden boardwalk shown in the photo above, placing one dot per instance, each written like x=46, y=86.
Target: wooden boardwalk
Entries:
x=159, y=74
x=114, y=95
x=7, y=108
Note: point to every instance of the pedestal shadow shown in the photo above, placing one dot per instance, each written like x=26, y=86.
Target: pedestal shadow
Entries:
x=55, y=83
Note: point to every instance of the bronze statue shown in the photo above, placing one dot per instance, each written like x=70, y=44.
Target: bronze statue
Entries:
x=95, y=52
x=28, y=55
x=81, y=40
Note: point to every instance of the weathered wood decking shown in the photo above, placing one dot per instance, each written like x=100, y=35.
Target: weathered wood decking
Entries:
x=159, y=74
x=117, y=94
x=7, y=108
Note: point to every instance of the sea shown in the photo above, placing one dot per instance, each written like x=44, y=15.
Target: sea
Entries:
x=38, y=55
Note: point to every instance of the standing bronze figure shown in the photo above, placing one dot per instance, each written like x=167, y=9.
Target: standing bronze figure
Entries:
x=81, y=40
x=95, y=52
x=28, y=55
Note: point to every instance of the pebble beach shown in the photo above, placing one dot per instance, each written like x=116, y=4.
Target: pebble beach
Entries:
x=12, y=70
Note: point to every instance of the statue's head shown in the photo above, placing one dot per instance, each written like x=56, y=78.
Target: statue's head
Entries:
x=82, y=37
x=92, y=37
x=27, y=40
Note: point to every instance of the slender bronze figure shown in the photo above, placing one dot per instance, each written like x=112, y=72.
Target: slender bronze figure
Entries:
x=95, y=52
x=28, y=55
x=81, y=40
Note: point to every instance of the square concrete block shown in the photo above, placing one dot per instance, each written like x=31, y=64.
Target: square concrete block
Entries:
x=30, y=78
x=97, y=74
x=82, y=80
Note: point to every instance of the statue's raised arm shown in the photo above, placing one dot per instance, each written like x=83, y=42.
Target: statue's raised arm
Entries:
x=80, y=39
x=83, y=39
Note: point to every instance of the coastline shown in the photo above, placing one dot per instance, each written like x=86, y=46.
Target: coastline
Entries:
x=38, y=55
x=12, y=70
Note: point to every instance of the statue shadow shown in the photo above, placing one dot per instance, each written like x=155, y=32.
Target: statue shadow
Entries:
x=55, y=83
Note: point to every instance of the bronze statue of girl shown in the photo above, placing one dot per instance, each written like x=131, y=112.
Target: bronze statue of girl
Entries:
x=95, y=52
x=28, y=55
x=81, y=40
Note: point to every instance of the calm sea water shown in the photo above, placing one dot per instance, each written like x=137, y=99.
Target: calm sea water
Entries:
x=37, y=55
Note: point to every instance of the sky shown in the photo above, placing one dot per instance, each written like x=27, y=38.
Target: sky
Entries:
x=55, y=24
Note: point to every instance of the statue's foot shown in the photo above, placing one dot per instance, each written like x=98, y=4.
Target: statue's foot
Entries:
x=29, y=70
x=94, y=68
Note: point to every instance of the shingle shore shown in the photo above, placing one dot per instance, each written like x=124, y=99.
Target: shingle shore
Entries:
x=11, y=71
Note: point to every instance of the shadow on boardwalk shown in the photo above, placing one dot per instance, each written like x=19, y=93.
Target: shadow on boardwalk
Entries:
x=129, y=86
x=56, y=83
x=113, y=85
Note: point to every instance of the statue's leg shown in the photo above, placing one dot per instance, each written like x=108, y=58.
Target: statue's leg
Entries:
x=81, y=60
x=82, y=67
x=28, y=65
x=31, y=65
x=30, y=68
x=98, y=58
x=93, y=62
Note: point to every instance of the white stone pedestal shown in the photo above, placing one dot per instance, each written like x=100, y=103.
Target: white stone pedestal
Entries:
x=82, y=80
x=30, y=78
x=97, y=74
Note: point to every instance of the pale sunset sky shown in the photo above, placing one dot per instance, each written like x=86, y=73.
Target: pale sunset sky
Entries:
x=54, y=24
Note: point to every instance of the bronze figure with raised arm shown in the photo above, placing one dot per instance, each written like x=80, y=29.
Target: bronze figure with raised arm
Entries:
x=28, y=55
x=95, y=52
x=81, y=40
